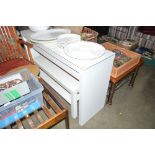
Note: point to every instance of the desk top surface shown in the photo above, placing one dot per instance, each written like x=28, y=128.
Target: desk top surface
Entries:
x=48, y=50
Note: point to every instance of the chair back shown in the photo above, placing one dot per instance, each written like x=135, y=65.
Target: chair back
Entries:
x=10, y=47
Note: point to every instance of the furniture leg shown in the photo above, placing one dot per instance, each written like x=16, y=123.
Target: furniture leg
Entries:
x=74, y=105
x=111, y=93
x=131, y=83
x=92, y=94
x=67, y=121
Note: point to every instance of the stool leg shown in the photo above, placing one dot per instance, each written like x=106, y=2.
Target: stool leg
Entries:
x=132, y=81
x=111, y=93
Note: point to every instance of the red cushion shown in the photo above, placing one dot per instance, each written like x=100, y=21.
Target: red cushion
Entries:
x=11, y=64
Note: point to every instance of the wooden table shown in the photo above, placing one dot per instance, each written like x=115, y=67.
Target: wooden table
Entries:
x=52, y=108
x=115, y=83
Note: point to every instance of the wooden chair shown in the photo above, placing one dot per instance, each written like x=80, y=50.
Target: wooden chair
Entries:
x=12, y=55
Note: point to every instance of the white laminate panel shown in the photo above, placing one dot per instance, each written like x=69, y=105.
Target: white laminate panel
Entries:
x=78, y=65
x=63, y=78
x=61, y=64
x=56, y=86
x=93, y=89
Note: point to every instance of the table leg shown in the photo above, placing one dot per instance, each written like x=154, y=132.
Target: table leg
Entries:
x=131, y=83
x=111, y=93
x=74, y=105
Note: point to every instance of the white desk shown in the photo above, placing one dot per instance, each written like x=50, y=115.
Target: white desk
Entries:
x=90, y=78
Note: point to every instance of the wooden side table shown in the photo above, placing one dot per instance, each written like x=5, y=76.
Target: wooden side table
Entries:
x=52, y=108
x=115, y=83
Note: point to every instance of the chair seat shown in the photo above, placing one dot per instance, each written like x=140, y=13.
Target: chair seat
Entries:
x=15, y=65
x=11, y=64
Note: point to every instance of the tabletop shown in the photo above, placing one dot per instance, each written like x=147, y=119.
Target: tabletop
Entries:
x=115, y=80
